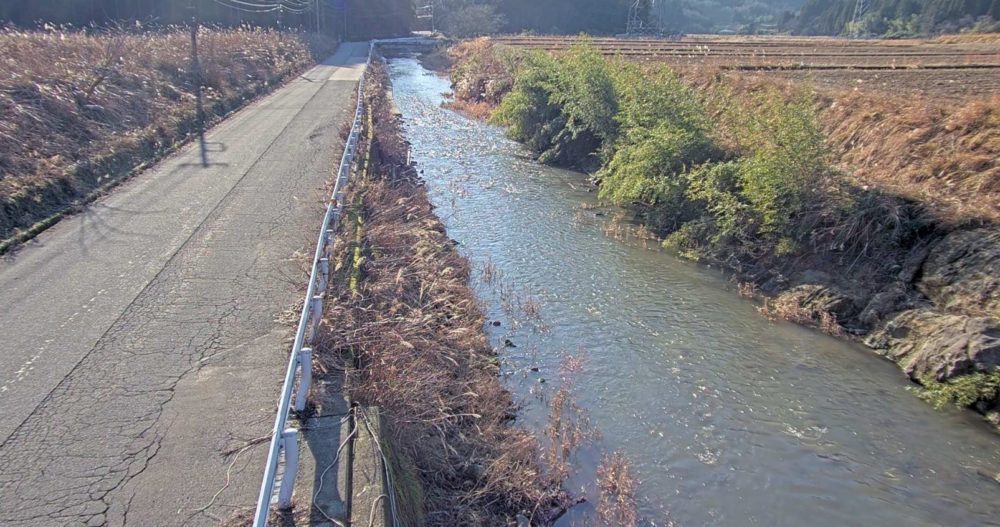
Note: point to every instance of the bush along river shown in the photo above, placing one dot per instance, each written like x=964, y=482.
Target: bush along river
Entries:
x=727, y=418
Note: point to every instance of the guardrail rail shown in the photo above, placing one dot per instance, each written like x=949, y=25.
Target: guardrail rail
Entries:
x=284, y=439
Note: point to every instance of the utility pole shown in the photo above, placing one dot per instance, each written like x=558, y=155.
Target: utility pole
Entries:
x=196, y=79
x=427, y=11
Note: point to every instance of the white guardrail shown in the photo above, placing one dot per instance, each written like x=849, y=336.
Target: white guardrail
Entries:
x=285, y=440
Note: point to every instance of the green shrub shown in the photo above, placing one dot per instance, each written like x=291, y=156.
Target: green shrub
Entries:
x=689, y=239
x=562, y=108
x=786, y=247
x=752, y=182
x=527, y=111
x=662, y=133
x=784, y=168
x=587, y=93
x=905, y=27
x=962, y=391
x=652, y=165
x=651, y=96
x=717, y=188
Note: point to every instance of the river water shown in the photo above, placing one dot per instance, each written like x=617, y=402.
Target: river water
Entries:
x=728, y=419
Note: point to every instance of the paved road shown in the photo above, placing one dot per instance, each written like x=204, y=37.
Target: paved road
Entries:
x=145, y=337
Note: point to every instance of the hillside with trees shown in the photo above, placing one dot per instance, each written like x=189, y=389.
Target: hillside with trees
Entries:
x=897, y=18
x=604, y=17
x=888, y=18
x=350, y=19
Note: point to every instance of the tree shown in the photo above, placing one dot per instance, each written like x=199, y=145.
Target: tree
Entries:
x=893, y=17
x=473, y=21
x=363, y=18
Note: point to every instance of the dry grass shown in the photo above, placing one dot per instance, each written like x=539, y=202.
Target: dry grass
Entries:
x=946, y=157
x=487, y=78
x=748, y=290
x=617, y=505
x=568, y=429
x=489, y=272
x=78, y=110
x=786, y=308
x=969, y=38
x=789, y=307
x=936, y=153
x=476, y=110
x=415, y=330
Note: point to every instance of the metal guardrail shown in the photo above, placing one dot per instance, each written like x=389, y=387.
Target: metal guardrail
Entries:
x=284, y=440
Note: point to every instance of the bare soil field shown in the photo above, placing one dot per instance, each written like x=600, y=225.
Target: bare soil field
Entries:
x=946, y=68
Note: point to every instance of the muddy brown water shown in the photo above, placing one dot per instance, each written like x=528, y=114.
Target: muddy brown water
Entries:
x=727, y=418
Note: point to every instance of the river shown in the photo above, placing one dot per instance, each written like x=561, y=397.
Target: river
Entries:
x=727, y=418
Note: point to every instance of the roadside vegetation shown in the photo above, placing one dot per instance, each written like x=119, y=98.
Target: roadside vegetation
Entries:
x=80, y=111
x=851, y=213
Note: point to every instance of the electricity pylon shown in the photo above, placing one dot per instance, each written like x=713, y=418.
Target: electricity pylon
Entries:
x=860, y=9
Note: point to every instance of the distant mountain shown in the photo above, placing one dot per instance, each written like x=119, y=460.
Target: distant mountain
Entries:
x=891, y=18
x=896, y=18
x=749, y=16
x=610, y=16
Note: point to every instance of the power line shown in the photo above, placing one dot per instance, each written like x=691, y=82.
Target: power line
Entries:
x=245, y=9
x=296, y=7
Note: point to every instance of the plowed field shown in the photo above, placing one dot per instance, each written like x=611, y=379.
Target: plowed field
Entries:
x=947, y=69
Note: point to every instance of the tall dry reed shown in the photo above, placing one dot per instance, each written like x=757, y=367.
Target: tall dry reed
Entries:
x=77, y=109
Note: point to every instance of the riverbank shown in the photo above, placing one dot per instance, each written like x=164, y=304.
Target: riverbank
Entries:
x=83, y=112
x=408, y=329
x=753, y=176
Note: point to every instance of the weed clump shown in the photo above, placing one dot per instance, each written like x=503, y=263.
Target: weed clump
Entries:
x=963, y=391
x=617, y=505
x=78, y=110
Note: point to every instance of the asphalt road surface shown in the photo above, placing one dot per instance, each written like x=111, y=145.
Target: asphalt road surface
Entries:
x=144, y=339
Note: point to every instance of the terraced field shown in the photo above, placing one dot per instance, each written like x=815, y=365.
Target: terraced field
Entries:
x=951, y=69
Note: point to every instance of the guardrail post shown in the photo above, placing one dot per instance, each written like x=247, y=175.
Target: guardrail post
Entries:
x=324, y=273
x=305, y=378
x=317, y=314
x=290, y=445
